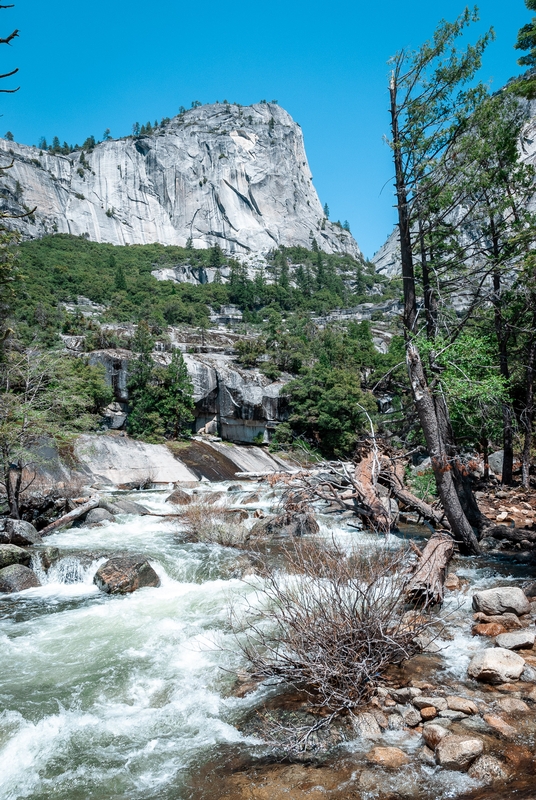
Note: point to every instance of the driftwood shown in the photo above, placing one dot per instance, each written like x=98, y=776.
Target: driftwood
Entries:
x=365, y=476
x=426, y=586
x=93, y=502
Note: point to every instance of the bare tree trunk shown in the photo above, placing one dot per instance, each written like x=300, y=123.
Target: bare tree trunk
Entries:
x=426, y=586
x=441, y=464
x=502, y=344
x=528, y=414
x=13, y=484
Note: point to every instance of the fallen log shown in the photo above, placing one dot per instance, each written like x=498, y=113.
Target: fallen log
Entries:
x=427, y=584
x=93, y=502
x=392, y=475
x=514, y=535
x=365, y=480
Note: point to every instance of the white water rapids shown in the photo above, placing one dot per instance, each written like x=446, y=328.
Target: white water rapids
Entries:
x=115, y=697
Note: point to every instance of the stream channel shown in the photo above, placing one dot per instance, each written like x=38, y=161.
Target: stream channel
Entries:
x=114, y=697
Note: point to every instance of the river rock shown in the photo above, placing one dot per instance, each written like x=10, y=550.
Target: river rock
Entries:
x=487, y=769
x=433, y=734
x=125, y=574
x=461, y=704
x=17, y=578
x=496, y=665
x=97, y=515
x=503, y=599
x=286, y=525
x=507, y=621
x=395, y=722
x=489, y=629
x=11, y=554
x=388, y=757
x=458, y=752
x=428, y=713
x=516, y=640
x=179, y=498
x=365, y=726
x=500, y=726
x=19, y=532
x=425, y=701
x=130, y=507
x=406, y=694
x=511, y=705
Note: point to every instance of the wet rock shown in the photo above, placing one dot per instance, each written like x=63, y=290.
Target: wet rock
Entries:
x=503, y=599
x=19, y=532
x=454, y=716
x=452, y=582
x=380, y=717
x=213, y=497
x=528, y=675
x=253, y=497
x=286, y=525
x=48, y=556
x=487, y=769
x=97, y=515
x=405, y=695
x=11, y=554
x=179, y=498
x=461, y=704
x=433, y=734
x=110, y=507
x=500, y=726
x=427, y=756
x=411, y=716
x=511, y=705
x=130, y=507
x=508, y=621
x=496, y=665
x=17, y=578
x=428, y=713
x=125, y=574
x=388, y=757
x=234, y=487
x=515, y=640
x=365, y=725
x=458, y=752
x=491, y=629
x=426, y=700
x=235, y=514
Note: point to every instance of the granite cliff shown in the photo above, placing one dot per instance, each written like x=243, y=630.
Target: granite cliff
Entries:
x=218, y=174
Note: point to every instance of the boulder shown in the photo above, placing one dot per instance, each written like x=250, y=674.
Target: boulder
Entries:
x=124, y=574
x=179, y=498
x=516, y=640
x=495, y=461
x=454, y=716
x=11, y=554
x=234, y=487
x=428, y=713
x=286, y=525
x=19, y=532
x=17, y=578
x=458, y=752
x=503, y=599
x=411, y=716
x=433, y=734
x=366, y=727
x=388, y=757
x=129, y=506
x=508, y=621
x=97, y=515
x=487, y=769
x=461, y=704
x=496, y=665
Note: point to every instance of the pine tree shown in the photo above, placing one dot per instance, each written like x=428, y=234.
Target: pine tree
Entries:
x=526, y=40
x=120, y=281
x=9, y=136
x=326, y=210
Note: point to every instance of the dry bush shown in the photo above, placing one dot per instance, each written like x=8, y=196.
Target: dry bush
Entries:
x=331, y=624
x=211, y=524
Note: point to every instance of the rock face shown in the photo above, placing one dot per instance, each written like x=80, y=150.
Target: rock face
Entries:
x=219, y=174
x=19, y=532
x=125, y=574
x=17, y=578
x=11, y=554
x=496, y=665
x=504, y=599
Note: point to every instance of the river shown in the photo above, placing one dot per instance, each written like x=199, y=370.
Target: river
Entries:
x=115, y=697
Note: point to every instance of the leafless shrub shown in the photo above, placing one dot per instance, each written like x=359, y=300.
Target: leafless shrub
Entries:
x=210, y=524
x=330, y=625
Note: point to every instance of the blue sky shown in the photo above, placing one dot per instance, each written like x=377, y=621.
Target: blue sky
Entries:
x=109, y=63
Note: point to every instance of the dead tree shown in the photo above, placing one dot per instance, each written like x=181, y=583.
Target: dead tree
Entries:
x=427, y=584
